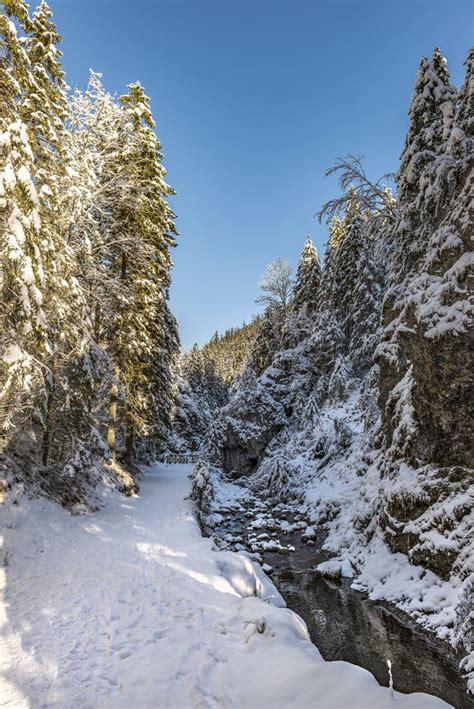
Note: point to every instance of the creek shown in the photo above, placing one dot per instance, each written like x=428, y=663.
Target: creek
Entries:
x=344, y=623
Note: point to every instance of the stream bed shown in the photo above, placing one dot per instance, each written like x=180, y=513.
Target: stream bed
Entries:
x=344, y=623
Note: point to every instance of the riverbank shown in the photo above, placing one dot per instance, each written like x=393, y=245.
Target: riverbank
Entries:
x=345, y=622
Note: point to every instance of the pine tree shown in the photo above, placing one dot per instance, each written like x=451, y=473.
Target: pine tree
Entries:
x=465, y=105
x=365, y=310
x=431, y=115
x=163, y=373
x=347, y=254
x=308, y=279
x=145, y=230
x=94, y=184
x=354, y=283
x=268, y=341
x=336, y=232
x=44, y=110
x=23, y=328
x=213, y=441
x=311, y=410
x=91, y=187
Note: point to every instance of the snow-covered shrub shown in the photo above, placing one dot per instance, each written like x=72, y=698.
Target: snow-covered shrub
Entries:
x=274, y=478
x=202, y=490
x=212, y=443
x=311, y=410
x=320, y=445
x=343, y=434
x=339, y=380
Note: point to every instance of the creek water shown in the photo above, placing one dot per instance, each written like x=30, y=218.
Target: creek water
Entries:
x=346, y=625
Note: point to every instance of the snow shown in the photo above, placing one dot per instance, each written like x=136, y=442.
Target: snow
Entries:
x=131, y=606
x=8, y=176
x=333, y=568
x=12, y=354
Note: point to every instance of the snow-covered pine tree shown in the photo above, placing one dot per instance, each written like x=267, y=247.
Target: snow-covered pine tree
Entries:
x=308, y=279
x=336, y=232
x=268, y=340
x=274, y=478
x=347, y=255
x=94, y=184
x=311, y=410
x=212, y=444
x=144, y=229
x=44, y=109
x=23, y=326
x=431, y=114
x=365, y=309
x=353, y=282
x=91, y=187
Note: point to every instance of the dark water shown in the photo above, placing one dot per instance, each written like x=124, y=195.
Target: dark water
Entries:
x=345, y=625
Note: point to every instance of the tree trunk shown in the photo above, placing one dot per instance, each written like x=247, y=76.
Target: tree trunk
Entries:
x=129, y=447
x=113, y=404
x=47, y=422
x=112, y=423
x=97, y=323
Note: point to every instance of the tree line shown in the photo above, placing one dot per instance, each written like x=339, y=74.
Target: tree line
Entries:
x=87, y=340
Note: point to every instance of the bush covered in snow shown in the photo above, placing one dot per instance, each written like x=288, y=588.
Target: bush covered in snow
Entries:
x=275, y=479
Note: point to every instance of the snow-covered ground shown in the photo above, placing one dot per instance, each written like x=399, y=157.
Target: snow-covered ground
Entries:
x=131, y=607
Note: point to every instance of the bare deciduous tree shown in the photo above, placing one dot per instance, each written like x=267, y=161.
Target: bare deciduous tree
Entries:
x=276, y=285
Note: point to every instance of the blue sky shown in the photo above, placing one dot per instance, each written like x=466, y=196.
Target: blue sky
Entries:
x=253, y=100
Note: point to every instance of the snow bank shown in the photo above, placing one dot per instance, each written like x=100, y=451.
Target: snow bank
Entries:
x=132, y=607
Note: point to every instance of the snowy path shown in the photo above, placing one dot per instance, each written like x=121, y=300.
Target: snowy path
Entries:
x=130, y=607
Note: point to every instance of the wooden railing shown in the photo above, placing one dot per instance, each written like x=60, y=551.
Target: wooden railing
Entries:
x=187, y=458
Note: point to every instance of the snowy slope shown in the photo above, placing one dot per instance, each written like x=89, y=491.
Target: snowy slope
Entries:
x=132, y=607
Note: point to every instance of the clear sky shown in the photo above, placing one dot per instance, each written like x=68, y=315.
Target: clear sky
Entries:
x=253, y=100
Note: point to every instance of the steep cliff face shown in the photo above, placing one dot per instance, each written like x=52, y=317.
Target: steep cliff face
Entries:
x=425, y=353
x=245, y=443
x=260, y=407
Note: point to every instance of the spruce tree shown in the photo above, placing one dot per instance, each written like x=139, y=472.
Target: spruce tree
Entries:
x=431, y=115
x=23, y=325
x=347, y=255
x=308, y=279
x=145, y=229
x=44, y=110
x=336, y=232
x=357, y=290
